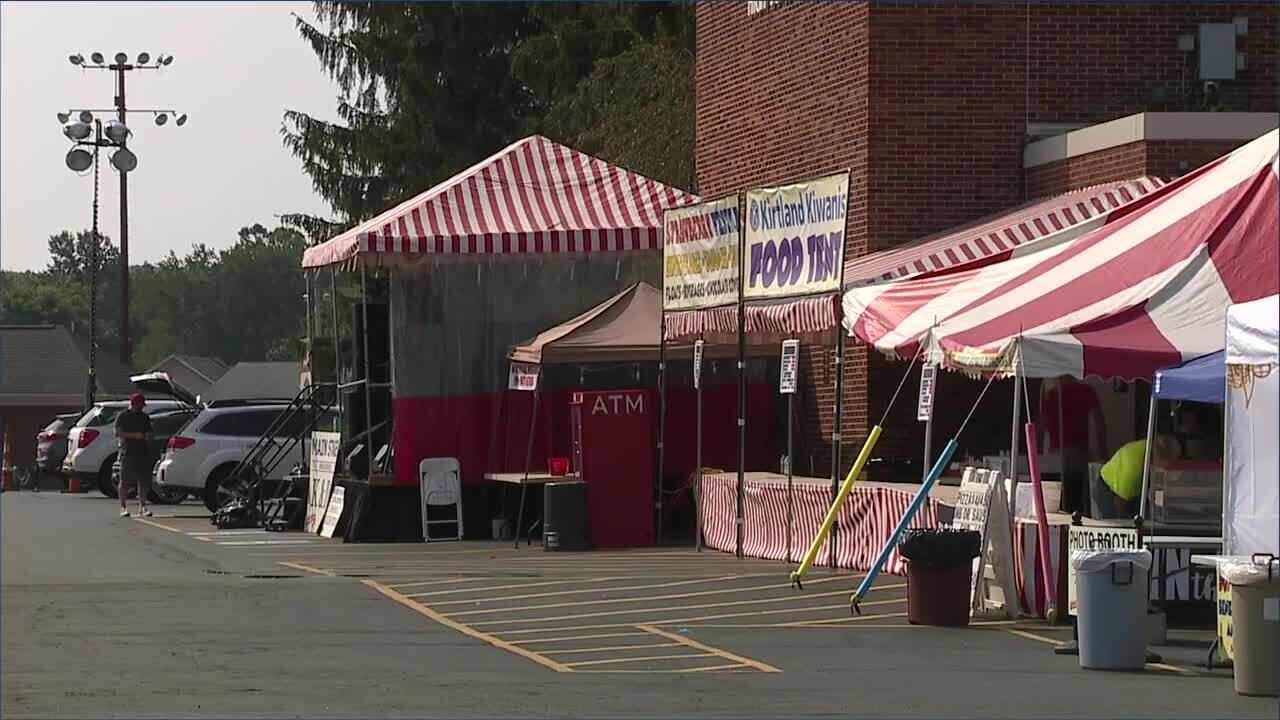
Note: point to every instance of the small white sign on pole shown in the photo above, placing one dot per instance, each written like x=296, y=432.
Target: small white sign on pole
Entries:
x=697, y=364
x=981, y=507
x=1081, y=537
x=924, y=408
x=323, y=461
x=523, y=377
x=333, y=513
x=790, y=364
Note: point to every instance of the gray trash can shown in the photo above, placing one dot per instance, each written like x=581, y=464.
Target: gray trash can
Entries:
x=1255, y=623
x=1111, y=596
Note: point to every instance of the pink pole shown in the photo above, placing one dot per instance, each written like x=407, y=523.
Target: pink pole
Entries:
x=1042, y=524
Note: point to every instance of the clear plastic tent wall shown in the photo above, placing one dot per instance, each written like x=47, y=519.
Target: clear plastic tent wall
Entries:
x=452, y=325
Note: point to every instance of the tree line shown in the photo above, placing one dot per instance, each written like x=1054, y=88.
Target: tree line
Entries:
x=426, y=90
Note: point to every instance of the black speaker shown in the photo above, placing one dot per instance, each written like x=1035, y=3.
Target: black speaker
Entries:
x=379, y=342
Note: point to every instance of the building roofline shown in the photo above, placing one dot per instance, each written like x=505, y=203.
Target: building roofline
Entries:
x=1147, y=127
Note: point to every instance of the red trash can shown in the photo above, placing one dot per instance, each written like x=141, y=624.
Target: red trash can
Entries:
x=938, y=596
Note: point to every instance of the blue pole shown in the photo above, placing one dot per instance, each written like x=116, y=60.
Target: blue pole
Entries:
x=943, y=460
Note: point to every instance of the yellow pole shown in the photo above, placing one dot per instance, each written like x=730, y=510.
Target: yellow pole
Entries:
x=834, y=512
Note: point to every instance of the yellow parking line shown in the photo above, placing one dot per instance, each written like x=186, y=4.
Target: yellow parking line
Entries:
x=308, y=568
x=533, y=641
x=608, y=648
x=748, y=626
x=666, y=671
x=581, y=591
x=162, y=526
x=1033, y=636
x=468, y=631
x=762, y=667
x=620, y=661
x=448, y=581
x=515, y=586
x=675, y=608
x=701, y=618
x=615, y=601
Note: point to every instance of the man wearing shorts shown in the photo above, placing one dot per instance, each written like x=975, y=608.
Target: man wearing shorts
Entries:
x=133, y=429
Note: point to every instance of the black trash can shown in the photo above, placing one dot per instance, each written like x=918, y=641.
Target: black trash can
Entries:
x=565, y=519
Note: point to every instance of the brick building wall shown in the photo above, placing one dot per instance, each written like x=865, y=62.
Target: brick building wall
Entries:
x=927, y=104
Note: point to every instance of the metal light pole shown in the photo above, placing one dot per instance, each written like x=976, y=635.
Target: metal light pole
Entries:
x=120, y=66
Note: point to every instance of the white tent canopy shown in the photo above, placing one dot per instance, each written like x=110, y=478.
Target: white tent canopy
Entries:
x=1251, y=496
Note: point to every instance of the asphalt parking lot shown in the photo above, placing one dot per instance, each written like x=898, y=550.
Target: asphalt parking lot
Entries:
x=250, y=623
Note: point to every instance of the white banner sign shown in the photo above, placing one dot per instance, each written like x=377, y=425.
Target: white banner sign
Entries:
x=1082, y=537
x=795, y=238
x=790, y=361
x=523, y=377
x=333, y=513
x=928, y=376
x=322, y=464
x=700, y=255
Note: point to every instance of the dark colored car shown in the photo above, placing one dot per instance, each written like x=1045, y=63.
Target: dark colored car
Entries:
x=51, y=443
x=164, y=425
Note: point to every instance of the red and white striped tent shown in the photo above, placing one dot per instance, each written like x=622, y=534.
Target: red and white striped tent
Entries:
x=1148, y=289
x=533, y=197
x=990, y=239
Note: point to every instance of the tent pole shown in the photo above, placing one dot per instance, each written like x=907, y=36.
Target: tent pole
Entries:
x=528, y=459
x=697, y=487
x=662, y=416
x=1146, y=460
x=368, y=378
x=790, y=472
x=838, y=420
x=1014, y=444
x=337, y=346
x=742, y=397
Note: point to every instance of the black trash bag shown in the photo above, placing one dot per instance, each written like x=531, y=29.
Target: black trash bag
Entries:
x=239, y=513
x=940, y=548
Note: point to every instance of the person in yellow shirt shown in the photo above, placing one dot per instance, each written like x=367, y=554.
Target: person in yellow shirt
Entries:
x=1116, y=489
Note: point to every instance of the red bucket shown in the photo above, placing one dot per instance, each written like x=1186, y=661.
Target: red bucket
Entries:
x=558, y=466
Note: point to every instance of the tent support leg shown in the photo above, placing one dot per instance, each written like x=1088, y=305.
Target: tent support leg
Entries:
x=662, y=420
x=697, y=487
x=528, y=459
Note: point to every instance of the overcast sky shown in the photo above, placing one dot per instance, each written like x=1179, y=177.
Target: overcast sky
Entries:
x=237, y=66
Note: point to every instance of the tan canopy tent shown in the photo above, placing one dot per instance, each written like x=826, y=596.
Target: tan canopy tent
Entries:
x=624, y=328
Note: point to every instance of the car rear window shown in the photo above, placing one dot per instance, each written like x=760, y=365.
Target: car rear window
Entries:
x=99, y=416
x=245, y=423
x=171, y=423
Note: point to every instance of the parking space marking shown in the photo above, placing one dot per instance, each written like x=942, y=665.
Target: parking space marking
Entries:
x=308, y=568
x=609, y=648
x=762, y=667
x=615, y=601
x=648, y=658
x=507, y=587
x=261, y=542
x=446, y=581
x=573, y=638
x=614, y=613
x=468, y=631
x=666, y=671
x=160, y=525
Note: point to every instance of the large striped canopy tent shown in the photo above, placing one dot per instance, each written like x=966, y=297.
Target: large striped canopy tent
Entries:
x=990, y=239
x=1146, y=290
x=533, y=197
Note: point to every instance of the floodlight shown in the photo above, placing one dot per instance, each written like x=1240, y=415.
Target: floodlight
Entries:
x=168, y=59
x=161, y=118
x=144, y=58
x=96, y=58
x=76, y=59
x=76, y=130
x=86, y=116
x=79, y=159
x=121, y=58
x=124, y=160
x=64, y=117
x=117, y=132
x=182, y=120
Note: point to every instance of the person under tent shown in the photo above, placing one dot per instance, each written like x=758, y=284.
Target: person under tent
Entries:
x=1080, y=413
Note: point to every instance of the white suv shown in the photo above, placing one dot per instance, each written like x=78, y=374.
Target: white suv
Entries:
x=202, y=456
x=92, y=445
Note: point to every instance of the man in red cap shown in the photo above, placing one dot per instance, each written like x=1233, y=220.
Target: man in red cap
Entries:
x=133, y=429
